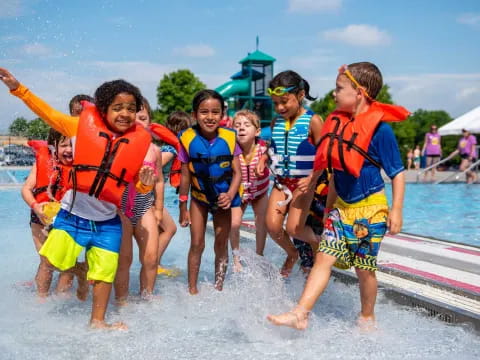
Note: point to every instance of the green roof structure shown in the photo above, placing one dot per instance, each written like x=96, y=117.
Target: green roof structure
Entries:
x=258, y=57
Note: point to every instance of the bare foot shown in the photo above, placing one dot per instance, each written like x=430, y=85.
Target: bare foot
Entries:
x=296, y=319
x=83, y=285
x=237, y=266
x=193, y=291
x=121, y=301
x=100, y=324
x=366, y=323
x=288, y=265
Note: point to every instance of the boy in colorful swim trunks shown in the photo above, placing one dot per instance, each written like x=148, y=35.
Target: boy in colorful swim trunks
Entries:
x=356, y=143
x=103, y=164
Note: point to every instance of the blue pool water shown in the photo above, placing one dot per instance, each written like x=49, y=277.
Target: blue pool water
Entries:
x=212, y=325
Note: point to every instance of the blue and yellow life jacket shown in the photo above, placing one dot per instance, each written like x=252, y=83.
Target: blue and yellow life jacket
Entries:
x=294, y=153
x=210, y=164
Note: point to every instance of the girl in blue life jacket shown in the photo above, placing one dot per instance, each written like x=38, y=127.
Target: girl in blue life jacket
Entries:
x=211, y=171
x=295, y=134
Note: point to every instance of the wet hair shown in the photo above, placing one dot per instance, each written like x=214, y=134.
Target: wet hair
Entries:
x=105, y=94
x=206, y=94
x=78, y=98
x=250, y=115
x=147, y=107
x=367, y=75
x=178, y=121
x=290, y=78
x=54, y=138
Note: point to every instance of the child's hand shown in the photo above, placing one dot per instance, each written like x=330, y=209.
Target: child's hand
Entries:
x=184, y=218
x=8, y=79
x=305, y=184
x=38, y=210
x=224, y=200
x=394, y=221
x=158, y=215
x=260, y=168
x=147, y=175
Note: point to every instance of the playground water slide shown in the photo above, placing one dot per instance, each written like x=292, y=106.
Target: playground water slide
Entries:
x=234, y=87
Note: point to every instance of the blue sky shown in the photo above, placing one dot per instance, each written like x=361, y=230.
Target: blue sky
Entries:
x=428, y=51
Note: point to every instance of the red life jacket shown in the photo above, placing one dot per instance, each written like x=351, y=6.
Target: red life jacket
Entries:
x=345, y=139
x=105, y=163
x=164, y=134
x=51, y=178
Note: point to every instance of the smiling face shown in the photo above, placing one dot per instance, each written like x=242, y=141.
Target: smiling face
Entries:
x=64, y=151
x=346, y=96
x=208, y=117
x=246, y=131
x=143, y=117
x=121, y=113
x=288, y=105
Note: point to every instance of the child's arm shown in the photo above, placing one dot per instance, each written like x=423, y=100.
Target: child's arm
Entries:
x=331, y=197
x=225, y=199
x=395, y=217
x=167, y=156
x=159, y=187
x=316, y=124
x=27, y=194
x=184, y=217
x=65, y=124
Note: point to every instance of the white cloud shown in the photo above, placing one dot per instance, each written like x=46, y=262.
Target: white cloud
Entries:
x=310, y=6
x=197, y=50
x=36, y=49
x=316, y=58
x=472, y=19
x=12, y=38
x=11, y=8
x=359, y=35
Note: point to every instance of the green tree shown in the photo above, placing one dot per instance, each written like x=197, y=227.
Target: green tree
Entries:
x=175, y=92
x=37, y=129
x=384, y=95
x=19, y=127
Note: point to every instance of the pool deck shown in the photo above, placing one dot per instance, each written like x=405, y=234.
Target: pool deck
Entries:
x=411, y=177
x=442, y=278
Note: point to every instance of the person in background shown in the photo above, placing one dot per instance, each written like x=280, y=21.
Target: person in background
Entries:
x=417, y=153
x=409, y=159
x=467, y=148
x=432, y=149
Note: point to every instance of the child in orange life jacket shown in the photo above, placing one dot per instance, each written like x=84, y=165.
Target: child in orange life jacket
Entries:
x=103, y=165
x=253, y=189
x=295, y=132
x=44, y=187
x=357, y=214
x=176, y=122
x=210, y=166
x=143, y=215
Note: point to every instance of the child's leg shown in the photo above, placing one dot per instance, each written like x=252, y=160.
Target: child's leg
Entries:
x=274, y=221
x=222, y=221
x=368, y=292
x=125, y=257
x=43, y=278
x=65, y=282
x=146, y=234
x=198, y=218
x=101, y=294
x=260, y=209
x=237, y=215
x=316, y=283
x=168, y=231
x=297, y=216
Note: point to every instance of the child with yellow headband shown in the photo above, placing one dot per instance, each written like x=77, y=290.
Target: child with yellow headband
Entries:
x=356, y=143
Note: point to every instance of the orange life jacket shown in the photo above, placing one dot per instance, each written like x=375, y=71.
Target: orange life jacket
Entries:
x=345, y=139
x=105, y=163
x=164, y=134
x=51, y=178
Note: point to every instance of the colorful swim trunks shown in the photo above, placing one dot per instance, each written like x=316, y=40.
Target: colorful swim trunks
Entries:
x=71, y=233
x=353, y=232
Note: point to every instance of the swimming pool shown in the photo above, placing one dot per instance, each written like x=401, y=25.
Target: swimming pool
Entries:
x=212, y=325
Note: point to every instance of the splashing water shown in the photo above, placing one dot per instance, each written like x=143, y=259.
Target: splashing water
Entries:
x=212, y=325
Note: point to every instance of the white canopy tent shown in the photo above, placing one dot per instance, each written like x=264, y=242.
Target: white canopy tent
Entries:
x=469, y=121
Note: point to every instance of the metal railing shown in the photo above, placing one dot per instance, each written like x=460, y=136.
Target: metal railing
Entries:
x=434, y=166
x=457, y=175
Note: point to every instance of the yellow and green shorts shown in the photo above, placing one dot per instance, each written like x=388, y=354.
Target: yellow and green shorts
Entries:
x=71, y=234
x=353, y=232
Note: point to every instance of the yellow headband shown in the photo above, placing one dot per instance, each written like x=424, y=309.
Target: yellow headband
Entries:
x=344, y=70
